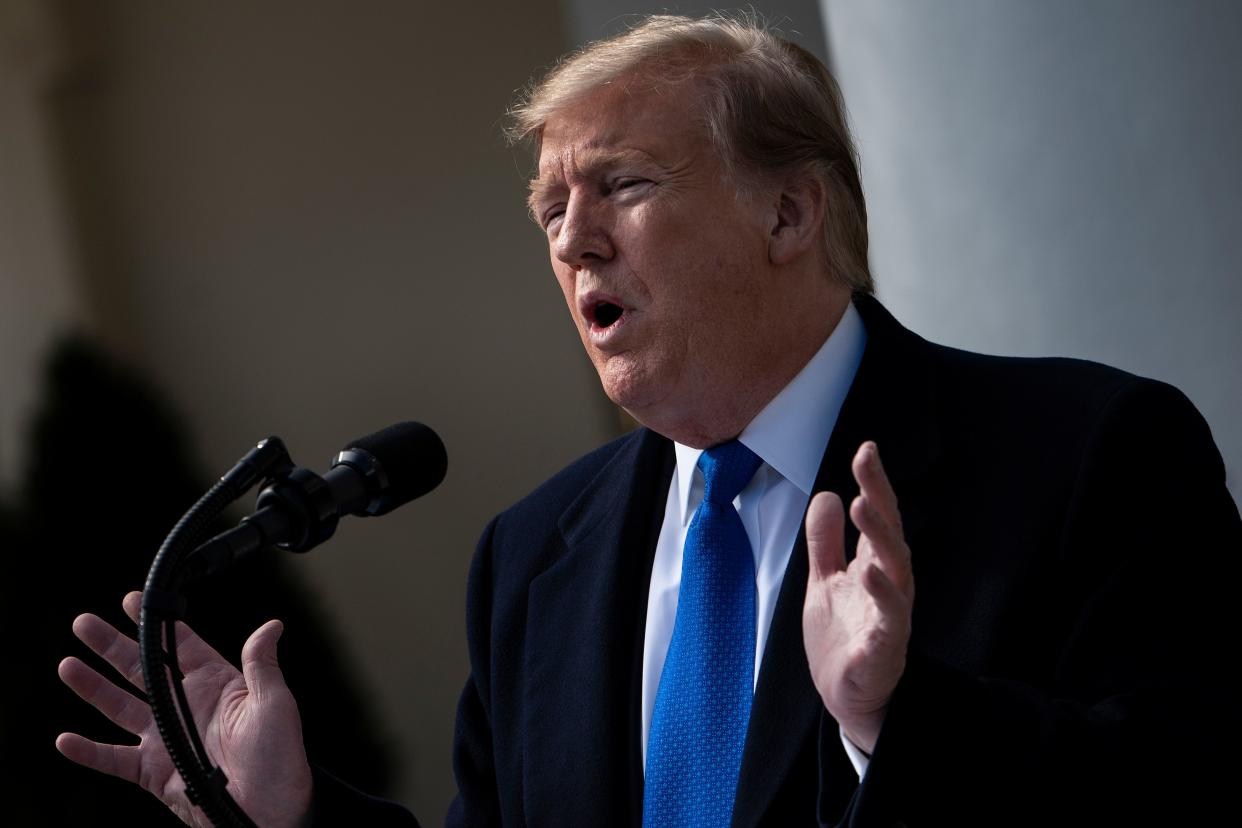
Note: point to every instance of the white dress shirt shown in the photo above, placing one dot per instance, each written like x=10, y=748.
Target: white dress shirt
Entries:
x=790, y=435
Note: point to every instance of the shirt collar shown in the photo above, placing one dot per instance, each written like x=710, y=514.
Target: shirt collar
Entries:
x=791, y=433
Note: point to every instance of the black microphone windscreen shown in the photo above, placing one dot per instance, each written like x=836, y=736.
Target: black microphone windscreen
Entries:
x=412, y=457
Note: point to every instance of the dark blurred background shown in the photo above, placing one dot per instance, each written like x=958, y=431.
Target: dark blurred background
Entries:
x=223, y=220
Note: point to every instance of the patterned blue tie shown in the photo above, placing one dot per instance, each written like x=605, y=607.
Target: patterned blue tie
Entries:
x=698, y=726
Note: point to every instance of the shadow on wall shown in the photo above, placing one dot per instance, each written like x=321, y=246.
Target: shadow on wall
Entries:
x=109, y=474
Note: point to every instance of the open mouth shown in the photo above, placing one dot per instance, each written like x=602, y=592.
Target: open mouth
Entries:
x=604, y=314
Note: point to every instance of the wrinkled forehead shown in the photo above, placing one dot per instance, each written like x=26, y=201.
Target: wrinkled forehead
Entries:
x=620, y=122
x=563, y=160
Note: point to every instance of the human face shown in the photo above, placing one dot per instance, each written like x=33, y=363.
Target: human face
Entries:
x=662, y=262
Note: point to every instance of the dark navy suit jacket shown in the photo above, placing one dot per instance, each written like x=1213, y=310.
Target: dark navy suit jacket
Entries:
x=1076, y=555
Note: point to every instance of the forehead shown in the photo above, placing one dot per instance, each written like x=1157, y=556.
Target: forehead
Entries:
x=622, y=123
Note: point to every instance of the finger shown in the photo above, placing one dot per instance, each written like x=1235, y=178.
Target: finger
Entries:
x=132, y=604
x=873, y=481
x=259, y=665
x=882, y=543
x=891, y=601
x=111, y=645
x=192, y=651
x=884, y=538
x=124, y=761
x=120, y=707
x=825, y=535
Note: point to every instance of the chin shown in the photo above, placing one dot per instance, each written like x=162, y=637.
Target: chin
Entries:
x=623, y=396
x=652, y=413
x=632, y=397
x=632, y=386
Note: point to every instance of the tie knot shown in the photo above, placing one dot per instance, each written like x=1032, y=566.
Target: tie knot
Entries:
x=727, y=468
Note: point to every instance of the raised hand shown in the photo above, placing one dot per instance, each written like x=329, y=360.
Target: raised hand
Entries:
x=856, y=620
x=248, y=721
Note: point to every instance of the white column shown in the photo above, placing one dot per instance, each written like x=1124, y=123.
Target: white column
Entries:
x=1058, y=178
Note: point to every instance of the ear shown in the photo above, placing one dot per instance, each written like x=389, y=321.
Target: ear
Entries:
x=797, y=220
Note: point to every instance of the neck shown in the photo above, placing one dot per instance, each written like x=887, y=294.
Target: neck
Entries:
x=727, y=406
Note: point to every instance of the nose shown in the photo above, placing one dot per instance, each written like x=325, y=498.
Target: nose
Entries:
x=583, y=238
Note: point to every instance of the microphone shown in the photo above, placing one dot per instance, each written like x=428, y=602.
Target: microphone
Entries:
x=299, y=509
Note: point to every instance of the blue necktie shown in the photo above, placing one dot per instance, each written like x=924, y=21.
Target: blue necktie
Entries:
x=698, y=726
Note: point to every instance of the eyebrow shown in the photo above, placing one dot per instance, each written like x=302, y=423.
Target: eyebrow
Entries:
x=591, y=162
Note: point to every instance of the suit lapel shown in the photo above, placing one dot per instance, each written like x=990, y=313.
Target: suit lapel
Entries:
x=888, y=402
x=585, y=625
x=891, y=401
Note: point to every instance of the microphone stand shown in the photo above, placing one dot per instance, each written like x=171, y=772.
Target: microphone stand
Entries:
x=163, y=605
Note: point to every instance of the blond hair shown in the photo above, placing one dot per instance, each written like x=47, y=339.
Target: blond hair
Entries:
x=771, y=109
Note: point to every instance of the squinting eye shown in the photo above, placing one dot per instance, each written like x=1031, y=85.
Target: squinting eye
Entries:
x=626, y=183
x=552, y=216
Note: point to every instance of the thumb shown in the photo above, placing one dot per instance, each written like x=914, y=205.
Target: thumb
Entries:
x=825, y=535
x=258, y=658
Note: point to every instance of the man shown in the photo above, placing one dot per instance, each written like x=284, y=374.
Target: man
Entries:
x=706, y=225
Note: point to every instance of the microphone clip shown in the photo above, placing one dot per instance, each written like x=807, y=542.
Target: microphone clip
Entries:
x=306, y=503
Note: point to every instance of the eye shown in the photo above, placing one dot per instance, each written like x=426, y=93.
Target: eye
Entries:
x=553, y=216
x=621, y=185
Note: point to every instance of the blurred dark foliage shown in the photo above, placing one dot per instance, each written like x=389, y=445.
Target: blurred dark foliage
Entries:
x=109, y=472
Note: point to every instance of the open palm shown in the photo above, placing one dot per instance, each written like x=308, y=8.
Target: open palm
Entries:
x=248, y=721
x=856, y=618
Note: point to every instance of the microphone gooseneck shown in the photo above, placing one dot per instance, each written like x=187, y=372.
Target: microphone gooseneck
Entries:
x=297, y=509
